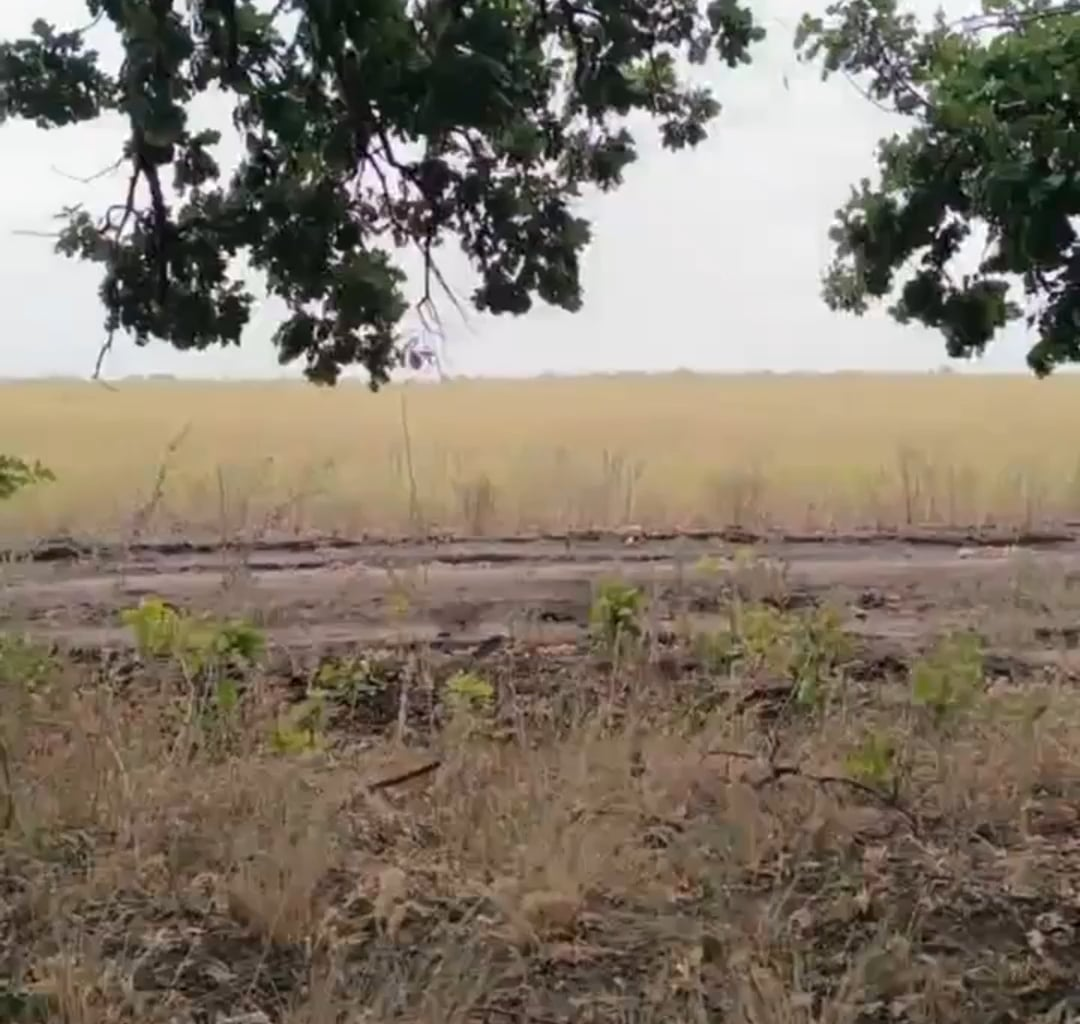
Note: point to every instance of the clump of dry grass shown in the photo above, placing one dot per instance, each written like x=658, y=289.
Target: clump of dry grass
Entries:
x=626, y=865
x=798, y=452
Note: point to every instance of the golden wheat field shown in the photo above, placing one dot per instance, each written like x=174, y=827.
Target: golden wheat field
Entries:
x=801, y=452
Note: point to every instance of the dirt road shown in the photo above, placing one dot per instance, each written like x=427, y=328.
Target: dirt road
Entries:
x=537, y=591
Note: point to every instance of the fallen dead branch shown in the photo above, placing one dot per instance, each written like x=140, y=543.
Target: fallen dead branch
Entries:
x=776, y=771
x=403, y=777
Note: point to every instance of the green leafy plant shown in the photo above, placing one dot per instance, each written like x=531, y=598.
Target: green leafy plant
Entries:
x=717, y=650
x=363, y=128
x=949, y=678
x=821, y=648
x=15, y=474
x=992, y=100
x=24, y=663
x=300, y=729
x=470, y=701
x=230, y=641
x=350, y=680
x=210, y=654
x=199, y=643
x=874, y=763
x=156, y=626
x=616, y=616
x=807, y=646
x=765, y=638
x=471, y=693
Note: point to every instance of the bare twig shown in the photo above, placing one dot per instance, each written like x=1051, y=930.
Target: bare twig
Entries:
x=128, y=210
x=103, y=351
x=989, y=22
x=867, y=95
x=7, y=816
x=93, y=23
x=104, y=172
x=780, y=771
x=143, y=514
x=403, y=777
x=416, y=516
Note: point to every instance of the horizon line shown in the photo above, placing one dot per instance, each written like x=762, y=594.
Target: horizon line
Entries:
x=169, y=378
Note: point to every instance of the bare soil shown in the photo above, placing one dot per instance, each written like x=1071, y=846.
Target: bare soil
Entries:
x=535, y=593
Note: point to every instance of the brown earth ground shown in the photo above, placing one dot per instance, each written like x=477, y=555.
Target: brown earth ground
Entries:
x=897, y=592
x=634, y=839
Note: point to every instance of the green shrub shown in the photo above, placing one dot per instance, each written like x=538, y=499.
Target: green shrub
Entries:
x=807, y=647
x=949, y=678
x=210, y=653
x=616, y=616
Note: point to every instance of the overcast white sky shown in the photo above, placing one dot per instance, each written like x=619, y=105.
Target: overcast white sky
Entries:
x=708, y=260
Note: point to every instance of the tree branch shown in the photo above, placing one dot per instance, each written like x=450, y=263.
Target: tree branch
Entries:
x=778, y=771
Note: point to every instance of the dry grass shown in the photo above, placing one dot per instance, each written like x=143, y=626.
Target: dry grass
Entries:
x=799, y=452
x=602, y=845
x=620, y=866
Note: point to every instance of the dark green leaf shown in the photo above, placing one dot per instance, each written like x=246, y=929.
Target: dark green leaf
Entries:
x=994, y=103
x=365, y=127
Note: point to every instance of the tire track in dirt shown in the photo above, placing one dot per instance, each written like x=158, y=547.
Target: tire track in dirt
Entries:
x=531, y=546
x=312, y=594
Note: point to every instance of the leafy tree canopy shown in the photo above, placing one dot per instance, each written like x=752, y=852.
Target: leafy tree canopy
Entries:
x=994, y=104
x=367, y=126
